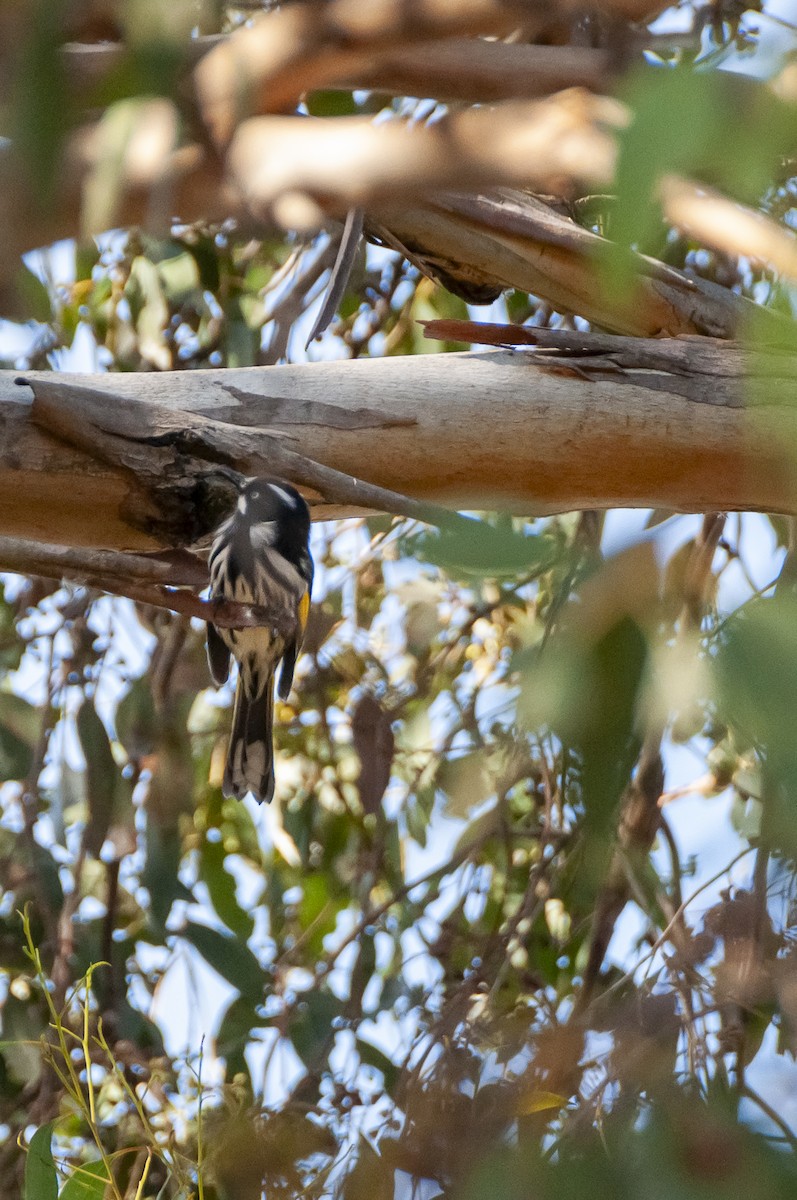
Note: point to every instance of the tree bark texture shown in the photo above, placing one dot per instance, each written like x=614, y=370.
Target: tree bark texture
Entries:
x=131, y=461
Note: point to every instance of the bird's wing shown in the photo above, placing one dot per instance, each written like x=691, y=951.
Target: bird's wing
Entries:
x=294, y=646
x=218, y=657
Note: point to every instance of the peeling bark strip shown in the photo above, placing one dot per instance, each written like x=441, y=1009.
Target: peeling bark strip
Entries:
x=304, y=412
x=138, y=462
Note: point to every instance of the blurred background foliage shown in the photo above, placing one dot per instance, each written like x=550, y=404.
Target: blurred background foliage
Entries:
x=398, y=981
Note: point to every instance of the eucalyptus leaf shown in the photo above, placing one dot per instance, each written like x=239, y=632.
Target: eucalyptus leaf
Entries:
x=227, y=955
x=485, y=551
x=221, y=886
x=41, y=1177
x=87, y=1182
x=102, y=775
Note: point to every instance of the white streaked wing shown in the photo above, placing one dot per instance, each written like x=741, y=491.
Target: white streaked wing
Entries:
x=263, y=535
x=277, y=586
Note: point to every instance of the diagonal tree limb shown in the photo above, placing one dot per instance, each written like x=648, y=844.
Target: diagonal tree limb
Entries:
x=505, y=237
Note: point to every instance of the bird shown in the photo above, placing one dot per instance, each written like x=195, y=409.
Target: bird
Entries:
x=259, y=556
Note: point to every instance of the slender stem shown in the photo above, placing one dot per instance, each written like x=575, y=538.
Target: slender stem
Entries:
x=769, y=1111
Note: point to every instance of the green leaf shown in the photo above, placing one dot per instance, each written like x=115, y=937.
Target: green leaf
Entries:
x=235, y=1033
x=601, y=724
x=87, y=256
x=87, y=1182
x=242, y=343
x=332, y=104
x=41, y=1177
x=68, y=321
x=221, y=886
x=234, y=961
x=311, y=1029
x=11, y=644
x=587, y=688
x=48, y=881
x=483, y=550
x=684, y=122
x=102, y=775
x=206, y=257
x=756, y=671
x=161, y=870
x=171, y=788
x=151, y=312
x=33, y=296
x=371, y=1056
x=466, y=782
x=318, y=911
x=179, y=276
x=22, y=1029
x=20, y=727
x=482, y=827
x=136, y=721
x=371, y=1177
x=41, y=115
x=20, y=717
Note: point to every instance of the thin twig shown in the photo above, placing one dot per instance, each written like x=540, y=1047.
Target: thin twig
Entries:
x=287, y=310
x=770, y=1112
x=619, y=984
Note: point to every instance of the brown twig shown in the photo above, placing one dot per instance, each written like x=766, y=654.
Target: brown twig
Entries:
x=641, y=816
x=292, y=303
x=175, y=569
x=768, y=1111
x=639, y=823
x=698, y=574
x=159, y=581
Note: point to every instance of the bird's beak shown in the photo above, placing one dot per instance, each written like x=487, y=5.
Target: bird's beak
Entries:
x=237, y=480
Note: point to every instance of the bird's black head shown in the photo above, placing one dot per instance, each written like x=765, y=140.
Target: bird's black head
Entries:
x=272, y=513
x=263, y=500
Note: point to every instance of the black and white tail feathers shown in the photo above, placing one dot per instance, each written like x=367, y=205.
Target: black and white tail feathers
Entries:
x=250, y=757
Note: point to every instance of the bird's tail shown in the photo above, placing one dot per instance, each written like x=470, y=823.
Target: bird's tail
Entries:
x=250, y=757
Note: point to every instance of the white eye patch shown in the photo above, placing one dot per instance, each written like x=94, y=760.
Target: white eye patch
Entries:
x=286, y=496
x=243, y=502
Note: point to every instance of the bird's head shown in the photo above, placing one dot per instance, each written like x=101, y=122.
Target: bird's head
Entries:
x=265, y=501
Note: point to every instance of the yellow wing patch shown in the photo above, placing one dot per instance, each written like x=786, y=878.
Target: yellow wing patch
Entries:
x=303, y=613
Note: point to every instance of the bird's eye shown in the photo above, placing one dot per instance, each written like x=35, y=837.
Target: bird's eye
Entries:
x=255, y=495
